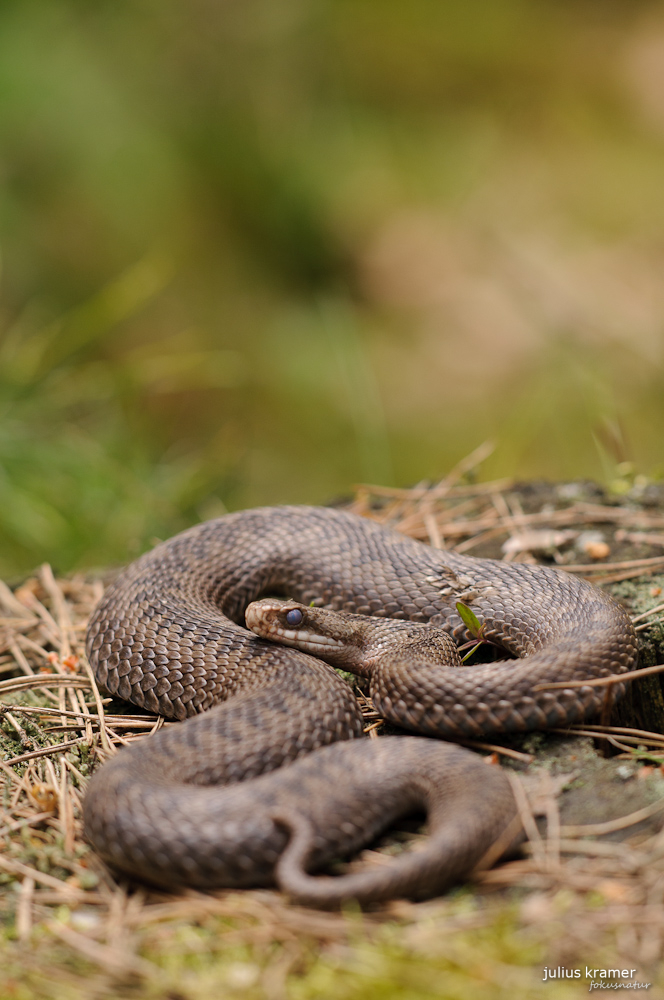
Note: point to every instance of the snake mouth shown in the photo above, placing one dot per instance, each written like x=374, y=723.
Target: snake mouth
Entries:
x=267, y=618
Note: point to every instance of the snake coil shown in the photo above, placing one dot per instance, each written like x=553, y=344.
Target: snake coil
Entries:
x=266, y=781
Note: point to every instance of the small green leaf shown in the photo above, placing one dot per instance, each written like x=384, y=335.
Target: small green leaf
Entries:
x=470, y=620
x=471, y=651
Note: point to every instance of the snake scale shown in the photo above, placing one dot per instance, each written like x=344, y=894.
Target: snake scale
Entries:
x=266, y=783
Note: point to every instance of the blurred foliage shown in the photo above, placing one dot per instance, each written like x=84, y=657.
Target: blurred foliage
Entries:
x=256, y=252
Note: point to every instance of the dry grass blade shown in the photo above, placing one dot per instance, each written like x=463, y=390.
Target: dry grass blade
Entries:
x=14, y=606
x=462, y=468
x=625, y=730
x=617, y=739
x=630, y=574
x=640, y=564
x=612, y=826
x=618, y=851
x=648, y=625
x=18, y=868
x=607, y=681
x=500, y=845
x=416, y=493
x=18, y=824
x=17, y=653
x=647, y=614
x=106, y=743
x=42, y=681
x=44, y=752
x=524, y=758
x=527, y=819
x=118, y=962
x=24, y=909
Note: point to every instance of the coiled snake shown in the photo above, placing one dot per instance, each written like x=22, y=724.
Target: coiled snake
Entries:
x=209, y=803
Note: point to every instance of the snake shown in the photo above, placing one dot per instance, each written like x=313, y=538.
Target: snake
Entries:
x=234, y=627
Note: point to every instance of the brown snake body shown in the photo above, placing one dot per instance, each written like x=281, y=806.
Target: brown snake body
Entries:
x=210, y=804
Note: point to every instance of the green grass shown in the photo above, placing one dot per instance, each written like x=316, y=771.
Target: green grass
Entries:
x=257, y=256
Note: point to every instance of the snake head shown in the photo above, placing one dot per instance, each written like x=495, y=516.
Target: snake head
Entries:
x=331, y=635
x=346, y=640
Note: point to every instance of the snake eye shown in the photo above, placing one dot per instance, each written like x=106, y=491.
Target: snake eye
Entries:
x=294, y=616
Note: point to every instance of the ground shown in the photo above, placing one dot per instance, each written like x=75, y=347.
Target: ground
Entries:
x=586, y=894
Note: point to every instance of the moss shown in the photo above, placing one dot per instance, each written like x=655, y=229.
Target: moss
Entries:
x=196, y=962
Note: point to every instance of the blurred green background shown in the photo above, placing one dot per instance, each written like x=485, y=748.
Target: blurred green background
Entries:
x=257, y=252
